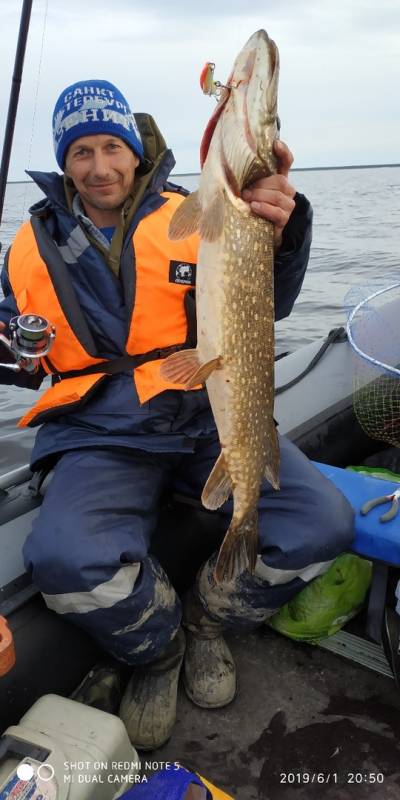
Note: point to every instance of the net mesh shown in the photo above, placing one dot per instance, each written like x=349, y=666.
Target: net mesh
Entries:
x=374, y=333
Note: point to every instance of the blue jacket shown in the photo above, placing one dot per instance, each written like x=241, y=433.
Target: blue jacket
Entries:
x=173, y=420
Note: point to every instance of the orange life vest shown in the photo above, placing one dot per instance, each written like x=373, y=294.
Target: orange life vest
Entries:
x=158, y=318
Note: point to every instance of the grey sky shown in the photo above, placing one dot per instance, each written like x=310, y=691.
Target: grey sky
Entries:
x=339, y=84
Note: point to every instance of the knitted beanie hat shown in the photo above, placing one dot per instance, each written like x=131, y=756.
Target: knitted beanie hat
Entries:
x=90, y=107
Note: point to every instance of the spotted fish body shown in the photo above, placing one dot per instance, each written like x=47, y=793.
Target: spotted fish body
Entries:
x=235, y=311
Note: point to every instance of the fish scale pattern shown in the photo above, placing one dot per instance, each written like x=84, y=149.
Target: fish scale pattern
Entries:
x=248, y=351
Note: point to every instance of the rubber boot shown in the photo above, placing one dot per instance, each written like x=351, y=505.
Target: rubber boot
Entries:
x=209, y=668
x=102, y=687
x=148, y=706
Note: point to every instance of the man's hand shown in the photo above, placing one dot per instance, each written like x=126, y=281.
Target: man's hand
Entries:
x=5, y=355
x=272, y=198
x=11, y=358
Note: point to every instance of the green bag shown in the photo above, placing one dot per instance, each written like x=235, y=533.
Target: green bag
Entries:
x=328, y=602
x=377, y=472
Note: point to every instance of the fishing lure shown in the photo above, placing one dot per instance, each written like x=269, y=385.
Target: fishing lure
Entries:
x=207, y=83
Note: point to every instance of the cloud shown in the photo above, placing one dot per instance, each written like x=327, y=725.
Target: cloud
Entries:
x=338, y=84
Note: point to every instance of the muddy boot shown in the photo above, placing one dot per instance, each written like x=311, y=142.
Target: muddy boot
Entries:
x=209, y=668
x=148, y=706
x=101, y=688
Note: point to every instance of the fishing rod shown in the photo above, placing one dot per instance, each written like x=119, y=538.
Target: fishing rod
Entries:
x=13, y=103
x=31, y=335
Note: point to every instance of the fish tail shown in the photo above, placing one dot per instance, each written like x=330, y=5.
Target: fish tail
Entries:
x=238, y=551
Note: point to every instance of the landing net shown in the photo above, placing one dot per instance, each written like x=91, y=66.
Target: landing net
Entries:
x=373, y=330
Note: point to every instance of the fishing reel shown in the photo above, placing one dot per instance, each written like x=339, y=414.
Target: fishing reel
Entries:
x=31, y=338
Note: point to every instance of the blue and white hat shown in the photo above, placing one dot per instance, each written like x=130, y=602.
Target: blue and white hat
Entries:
x=90, y=107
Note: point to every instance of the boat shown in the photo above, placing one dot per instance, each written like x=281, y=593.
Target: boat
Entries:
x=324, y=716
x=296, y=704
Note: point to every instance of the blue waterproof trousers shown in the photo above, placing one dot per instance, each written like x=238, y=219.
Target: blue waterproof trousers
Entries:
x=90, y=547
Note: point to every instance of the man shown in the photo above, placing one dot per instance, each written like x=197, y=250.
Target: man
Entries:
x=95, y=259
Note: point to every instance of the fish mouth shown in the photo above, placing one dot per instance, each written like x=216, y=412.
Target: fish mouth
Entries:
x=211, y=125
x=260, y=100
x=263, y=83
x=273, y=55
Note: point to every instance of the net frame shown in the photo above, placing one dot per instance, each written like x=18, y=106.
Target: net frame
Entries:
x=361, y=353
x=376, y=385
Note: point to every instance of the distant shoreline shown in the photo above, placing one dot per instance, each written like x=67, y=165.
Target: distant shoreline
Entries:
x=305, y=169
x=350, y=166
x=294, y=169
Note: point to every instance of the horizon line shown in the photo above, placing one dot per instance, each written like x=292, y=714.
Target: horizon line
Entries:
x=293, y=169
x=310, y=169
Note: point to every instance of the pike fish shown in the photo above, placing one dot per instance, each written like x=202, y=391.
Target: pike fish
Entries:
x=235, y=308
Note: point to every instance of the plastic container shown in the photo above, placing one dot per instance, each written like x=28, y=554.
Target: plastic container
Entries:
x=64, y=750
x=7, y=651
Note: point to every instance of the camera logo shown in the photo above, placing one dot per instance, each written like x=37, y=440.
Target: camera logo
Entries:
x=25, y=772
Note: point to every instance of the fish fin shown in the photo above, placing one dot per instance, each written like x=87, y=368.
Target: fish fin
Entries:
x=185, y=367
x=218, y=486
x=238, y=551
x=204, y=372
x=186, y=218
x=180, y=366
x=272, y=467
x=212, y=219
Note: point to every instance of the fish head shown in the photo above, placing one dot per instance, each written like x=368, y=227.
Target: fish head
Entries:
x=255, y=73
x=246, y=117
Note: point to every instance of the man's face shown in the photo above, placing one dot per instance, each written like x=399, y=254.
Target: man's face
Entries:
x=102, y=168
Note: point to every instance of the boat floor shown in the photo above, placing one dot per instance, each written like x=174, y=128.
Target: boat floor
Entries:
x=300, y=711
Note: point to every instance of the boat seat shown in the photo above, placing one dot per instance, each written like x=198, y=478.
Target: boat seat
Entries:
x=378, y=541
